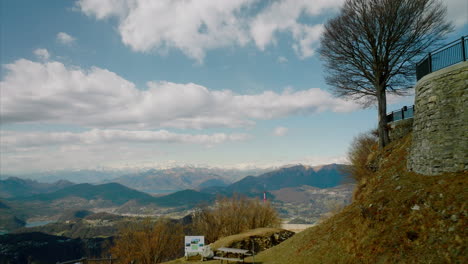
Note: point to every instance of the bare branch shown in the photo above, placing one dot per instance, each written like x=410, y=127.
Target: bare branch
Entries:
x=371, y=47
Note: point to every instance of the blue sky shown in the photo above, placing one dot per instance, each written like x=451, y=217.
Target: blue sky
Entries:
x=132, y=83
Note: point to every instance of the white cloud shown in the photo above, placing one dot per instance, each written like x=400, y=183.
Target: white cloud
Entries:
x=280, y=131
x=284, y=16
x=22, y=139
x=282, y=59
x=42, y=54
x=54, y=93
x=65, y=38
x=195, y=26
x=191, y=26
x=306, y=160
x=457, y=12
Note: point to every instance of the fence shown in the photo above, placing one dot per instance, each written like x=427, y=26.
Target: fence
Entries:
x=454, y=52
x=90, y=261
x=404, y=113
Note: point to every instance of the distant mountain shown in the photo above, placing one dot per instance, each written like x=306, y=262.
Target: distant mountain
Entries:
x=179, y=178
x=3, y=205
x=187, y=198
x=87, y=196
x=73, y=215
x=213, y=183
x=10, y=222
x=17, y=187
x=76, y=176
x=10, y=219
x=321, y=177
x=114, y=193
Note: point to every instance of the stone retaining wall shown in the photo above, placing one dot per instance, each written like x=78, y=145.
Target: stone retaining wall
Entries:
x=440, y=128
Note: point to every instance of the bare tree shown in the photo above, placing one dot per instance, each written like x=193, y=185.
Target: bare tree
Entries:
x=370, y=48
x=148, y=242
x=233, y=215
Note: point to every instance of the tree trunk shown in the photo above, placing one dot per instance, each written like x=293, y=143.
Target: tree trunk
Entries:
x=382, y=110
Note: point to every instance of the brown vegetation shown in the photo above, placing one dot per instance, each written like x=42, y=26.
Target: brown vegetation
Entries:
x=361, y=155
x=398, y=217
x=234, y=215
x=148, y=242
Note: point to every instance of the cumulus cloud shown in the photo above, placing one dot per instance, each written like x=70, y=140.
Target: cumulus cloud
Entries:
x=457, y=12
x=65, y=38
x=22, y=139
x=280, y=131
x=195, y=26
x=54, y=93
x=42, y=54
x=284, y=16
x=191, y=26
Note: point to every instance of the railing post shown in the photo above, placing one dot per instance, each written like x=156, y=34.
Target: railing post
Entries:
x=463, y=48
x=429, y=60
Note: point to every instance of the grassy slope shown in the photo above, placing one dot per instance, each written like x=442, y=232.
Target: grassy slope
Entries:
x=380, y=226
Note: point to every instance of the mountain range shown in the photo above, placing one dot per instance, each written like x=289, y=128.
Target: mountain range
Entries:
x=29, y=198
x=321, y=177
x=172, y=180
x=18, y=187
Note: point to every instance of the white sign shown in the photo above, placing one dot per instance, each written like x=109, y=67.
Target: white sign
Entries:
x=194, y=244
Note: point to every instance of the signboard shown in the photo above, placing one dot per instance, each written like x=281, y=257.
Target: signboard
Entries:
x=194, y=244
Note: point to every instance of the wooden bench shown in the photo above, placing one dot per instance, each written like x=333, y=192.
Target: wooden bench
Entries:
x=241, y=252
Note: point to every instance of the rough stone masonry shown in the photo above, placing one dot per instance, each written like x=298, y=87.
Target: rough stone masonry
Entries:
x=440, y=126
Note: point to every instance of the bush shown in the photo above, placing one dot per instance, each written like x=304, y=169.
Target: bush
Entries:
x=148, y=242
x=362, y=150
x=233, y=215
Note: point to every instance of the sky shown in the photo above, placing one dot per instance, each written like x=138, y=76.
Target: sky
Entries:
x=115, y=84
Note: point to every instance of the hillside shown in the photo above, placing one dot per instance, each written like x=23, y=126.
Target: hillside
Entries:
x=397, y=217
x=179, y=178
x=17, y=187
x=321, y=177
x=113, y=192
x=187, y=198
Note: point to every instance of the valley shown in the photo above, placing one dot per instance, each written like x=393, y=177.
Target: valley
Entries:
x=64, y=215
x=300, y=194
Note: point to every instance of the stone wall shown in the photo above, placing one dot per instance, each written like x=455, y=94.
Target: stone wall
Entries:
x=440, y=128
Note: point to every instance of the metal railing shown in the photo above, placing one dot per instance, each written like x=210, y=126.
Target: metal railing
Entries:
x=453, y=52
x=404, y=113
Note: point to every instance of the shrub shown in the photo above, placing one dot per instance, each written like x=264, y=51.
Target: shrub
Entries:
x=148, y=242
x=362, y=151
x=233, y=215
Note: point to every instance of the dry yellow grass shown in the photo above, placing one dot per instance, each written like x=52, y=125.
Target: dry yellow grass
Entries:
x=397, y=217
